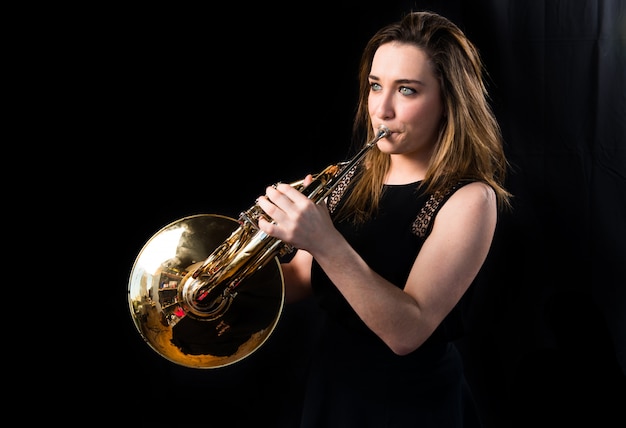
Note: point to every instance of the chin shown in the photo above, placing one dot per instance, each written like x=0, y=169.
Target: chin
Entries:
x=386, y=147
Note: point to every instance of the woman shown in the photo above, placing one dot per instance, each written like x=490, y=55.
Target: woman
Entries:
x=399, y=243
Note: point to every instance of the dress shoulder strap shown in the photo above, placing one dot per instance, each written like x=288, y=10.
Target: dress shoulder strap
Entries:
x=422, y=226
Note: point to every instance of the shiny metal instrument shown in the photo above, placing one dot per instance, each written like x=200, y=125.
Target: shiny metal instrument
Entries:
x=207, y=290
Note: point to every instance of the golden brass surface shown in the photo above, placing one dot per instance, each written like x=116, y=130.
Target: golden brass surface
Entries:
x=166, y=323
x=207, y=290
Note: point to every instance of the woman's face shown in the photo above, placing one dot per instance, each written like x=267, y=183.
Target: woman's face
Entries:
x=406, y=97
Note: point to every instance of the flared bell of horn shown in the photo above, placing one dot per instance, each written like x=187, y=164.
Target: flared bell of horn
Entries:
x=168, y=309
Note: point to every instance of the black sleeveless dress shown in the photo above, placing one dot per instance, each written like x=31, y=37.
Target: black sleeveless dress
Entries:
x=355, y=380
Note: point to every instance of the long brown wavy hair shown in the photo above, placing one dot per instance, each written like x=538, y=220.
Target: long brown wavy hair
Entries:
x=469, y=145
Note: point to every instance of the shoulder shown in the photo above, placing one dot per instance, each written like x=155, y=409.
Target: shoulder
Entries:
x=460, y=201
x=470, y=194
x=473, y=203
x=476, y=191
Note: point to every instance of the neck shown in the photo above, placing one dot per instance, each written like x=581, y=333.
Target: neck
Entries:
x=405, y=170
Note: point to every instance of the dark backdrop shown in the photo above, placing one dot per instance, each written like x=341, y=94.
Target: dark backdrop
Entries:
x=213, y=105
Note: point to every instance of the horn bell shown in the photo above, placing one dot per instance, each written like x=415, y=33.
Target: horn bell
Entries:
x=166, y=320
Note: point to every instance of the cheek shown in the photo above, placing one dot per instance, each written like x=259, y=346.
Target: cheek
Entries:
x=427, y=115
x=371, y=108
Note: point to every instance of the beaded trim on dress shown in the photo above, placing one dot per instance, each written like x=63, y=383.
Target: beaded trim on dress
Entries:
x=423, y=219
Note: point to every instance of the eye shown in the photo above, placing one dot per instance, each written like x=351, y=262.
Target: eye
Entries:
x=406, y=90
x=375, y=87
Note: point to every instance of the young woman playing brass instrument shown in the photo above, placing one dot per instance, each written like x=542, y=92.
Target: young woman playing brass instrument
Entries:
x=396, y=246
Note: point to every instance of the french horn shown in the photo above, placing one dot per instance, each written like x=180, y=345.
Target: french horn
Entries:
x=207, y=290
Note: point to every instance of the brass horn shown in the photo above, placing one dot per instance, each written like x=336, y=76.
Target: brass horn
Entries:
x=207, y=290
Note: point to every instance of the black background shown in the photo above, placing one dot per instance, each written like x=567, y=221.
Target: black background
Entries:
x=201, y=107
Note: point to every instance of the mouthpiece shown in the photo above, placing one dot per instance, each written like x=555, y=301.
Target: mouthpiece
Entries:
x=383, y=132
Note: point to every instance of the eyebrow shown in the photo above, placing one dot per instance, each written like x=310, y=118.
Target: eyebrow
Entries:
x=405, y=81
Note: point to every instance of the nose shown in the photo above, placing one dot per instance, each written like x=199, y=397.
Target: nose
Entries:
x=383, y=106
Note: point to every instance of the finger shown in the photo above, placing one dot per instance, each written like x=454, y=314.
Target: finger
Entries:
x=276, y=194
x=288, y=192
x=267, y=206
x=265, y=220
x=265, y=225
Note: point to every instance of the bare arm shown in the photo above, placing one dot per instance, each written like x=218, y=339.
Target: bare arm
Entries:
x=297, y=275
x=445, y=267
